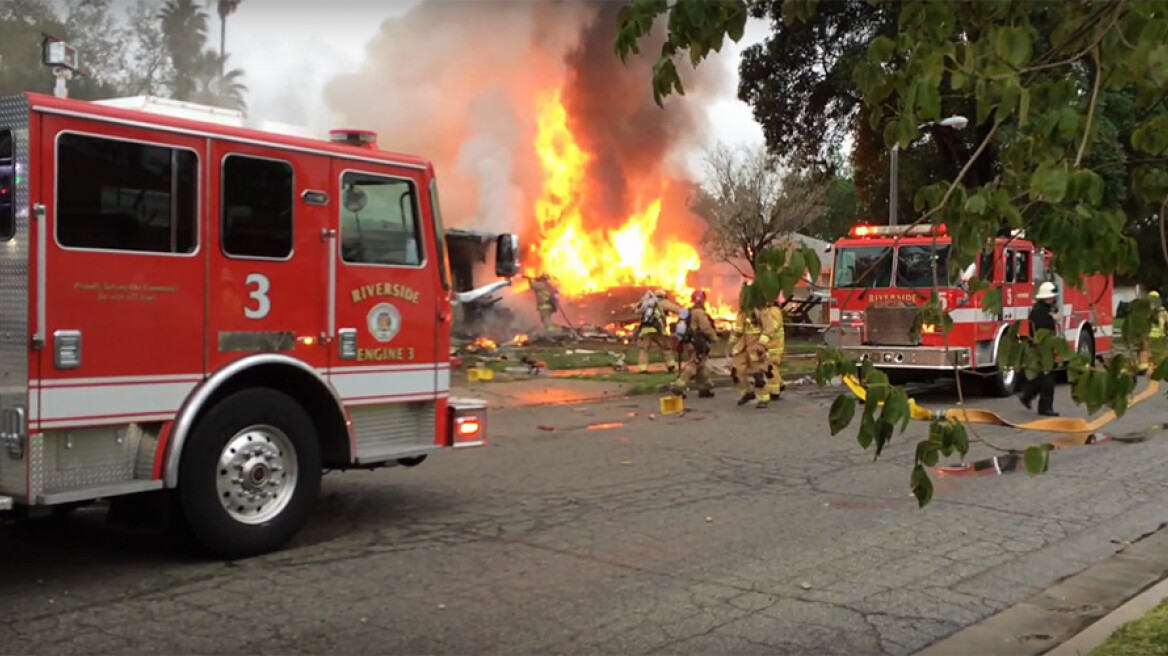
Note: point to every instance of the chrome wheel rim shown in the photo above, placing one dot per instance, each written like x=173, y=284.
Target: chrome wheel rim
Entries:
x=256, y=474
x=1008, y=374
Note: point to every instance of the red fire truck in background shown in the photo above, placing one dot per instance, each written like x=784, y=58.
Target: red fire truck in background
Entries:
x=216, y=313
x=883, y=274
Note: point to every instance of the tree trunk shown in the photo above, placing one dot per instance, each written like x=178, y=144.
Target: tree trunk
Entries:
x=222, y=44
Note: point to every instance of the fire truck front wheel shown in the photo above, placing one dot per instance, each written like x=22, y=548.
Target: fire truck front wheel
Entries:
x=250, y=473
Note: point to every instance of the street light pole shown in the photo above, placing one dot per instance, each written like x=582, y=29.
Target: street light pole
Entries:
x=955, y=122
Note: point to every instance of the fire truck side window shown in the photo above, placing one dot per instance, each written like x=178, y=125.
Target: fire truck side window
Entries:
x=7, y=186
x=1022, y=266
x=379, y=220
x=985, y=265
x=125, y=196
x=257, y=207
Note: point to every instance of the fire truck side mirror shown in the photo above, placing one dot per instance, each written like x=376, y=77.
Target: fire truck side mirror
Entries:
x=506, y=255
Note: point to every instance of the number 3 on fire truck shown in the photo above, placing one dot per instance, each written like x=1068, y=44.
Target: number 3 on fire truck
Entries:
x=259, y=295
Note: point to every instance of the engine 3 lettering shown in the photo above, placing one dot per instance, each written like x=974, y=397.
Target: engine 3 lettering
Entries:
x=385, y=354
x=385, y=289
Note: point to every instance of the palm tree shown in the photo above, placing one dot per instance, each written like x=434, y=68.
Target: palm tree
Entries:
x=213, y=86
x=184, y=25
x=225, y=9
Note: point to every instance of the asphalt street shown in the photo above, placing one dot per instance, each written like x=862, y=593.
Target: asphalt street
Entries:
x=723, y=530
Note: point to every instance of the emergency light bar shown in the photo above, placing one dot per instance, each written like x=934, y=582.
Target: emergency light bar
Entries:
x=889, y=231
x=359, y=138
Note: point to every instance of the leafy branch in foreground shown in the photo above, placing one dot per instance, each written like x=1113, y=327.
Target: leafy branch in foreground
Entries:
x=1037, y=77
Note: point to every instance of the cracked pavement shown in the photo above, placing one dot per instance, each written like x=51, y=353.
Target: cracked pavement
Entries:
x=724, y=530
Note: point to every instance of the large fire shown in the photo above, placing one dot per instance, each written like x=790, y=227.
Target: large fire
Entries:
x=583, y=260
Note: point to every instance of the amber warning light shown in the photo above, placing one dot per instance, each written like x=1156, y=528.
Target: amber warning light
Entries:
x=891, y=231
x=358, y=138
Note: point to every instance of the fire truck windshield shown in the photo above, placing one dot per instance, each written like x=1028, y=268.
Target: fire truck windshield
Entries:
x=862, y=267
x=915, y=264
x=7, y=186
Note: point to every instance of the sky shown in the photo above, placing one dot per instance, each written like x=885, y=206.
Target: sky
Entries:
x=305, y=43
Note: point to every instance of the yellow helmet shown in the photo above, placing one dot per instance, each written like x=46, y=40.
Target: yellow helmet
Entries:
x=1153, y=294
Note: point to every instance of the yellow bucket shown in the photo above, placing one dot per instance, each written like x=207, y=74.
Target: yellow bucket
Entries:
x=671, y=405
x=480, y=373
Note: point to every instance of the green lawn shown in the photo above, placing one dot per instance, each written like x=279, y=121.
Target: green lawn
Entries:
x=598, y=354
x=1147, y=636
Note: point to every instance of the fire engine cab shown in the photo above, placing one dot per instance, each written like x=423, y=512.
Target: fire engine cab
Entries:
x=882, y=275
x=216, y=313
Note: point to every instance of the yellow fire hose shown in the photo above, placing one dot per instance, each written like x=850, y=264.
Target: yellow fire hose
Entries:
x=1077, y=429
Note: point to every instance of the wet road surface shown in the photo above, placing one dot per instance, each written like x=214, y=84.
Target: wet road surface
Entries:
x=725, y=530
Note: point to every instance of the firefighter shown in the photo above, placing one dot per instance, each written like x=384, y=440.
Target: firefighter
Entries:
x=1042, y=315
x=773, y=339
x=746, y=360
x=545, y=300
x=652, y=331
x=696, y=334
x=1155, y=333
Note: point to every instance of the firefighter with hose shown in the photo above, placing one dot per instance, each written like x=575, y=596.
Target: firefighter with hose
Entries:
x=773, y=339
x=695, y=334
x=651, y=329
x=746, y=361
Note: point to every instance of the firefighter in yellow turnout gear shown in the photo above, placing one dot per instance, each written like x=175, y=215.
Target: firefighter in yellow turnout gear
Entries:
x=699, y=335
x=773, y=339
x=652, y=329
x=1155, y=338
x=746, y=359
x=545, y=301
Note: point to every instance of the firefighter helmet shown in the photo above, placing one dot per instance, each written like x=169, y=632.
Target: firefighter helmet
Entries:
x=698, y=297
x=1046, y=291
x=1153, y=294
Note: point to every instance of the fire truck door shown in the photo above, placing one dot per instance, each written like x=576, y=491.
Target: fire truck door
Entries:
x=1017, y=295
x=267, y=262
x=385, y=307
x=123, y=272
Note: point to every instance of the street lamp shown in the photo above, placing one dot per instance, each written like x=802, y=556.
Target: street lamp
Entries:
x=955, y=122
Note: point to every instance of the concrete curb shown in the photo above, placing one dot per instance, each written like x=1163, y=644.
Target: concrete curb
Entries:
x=1048, y=619
x=1099, y=632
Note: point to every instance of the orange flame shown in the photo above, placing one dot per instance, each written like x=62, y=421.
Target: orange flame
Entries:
x=583, y=261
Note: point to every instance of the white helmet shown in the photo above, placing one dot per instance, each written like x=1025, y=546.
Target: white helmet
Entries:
x=1046, y=290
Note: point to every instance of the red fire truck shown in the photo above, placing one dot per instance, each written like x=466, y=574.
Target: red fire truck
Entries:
x=215, y=314
x=883, y=274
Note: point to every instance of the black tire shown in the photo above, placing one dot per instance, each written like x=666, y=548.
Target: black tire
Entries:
x=1086, y=347
x=201, y=474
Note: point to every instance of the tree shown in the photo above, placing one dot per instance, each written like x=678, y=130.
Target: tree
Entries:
x=150, y=66
x=214, y=87
x=184, y=25
x=1037, y=76
x=224, y=8
x=749, y=203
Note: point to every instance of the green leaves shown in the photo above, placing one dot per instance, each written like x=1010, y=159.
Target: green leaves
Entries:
x=922, y=487
x=1036, y=459
x=841, y=413
x=1013, y=45
x=1049, y=182
x=881, y=49
x=698, y=26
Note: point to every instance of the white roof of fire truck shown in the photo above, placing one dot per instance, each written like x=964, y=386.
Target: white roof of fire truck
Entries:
x=206, y=113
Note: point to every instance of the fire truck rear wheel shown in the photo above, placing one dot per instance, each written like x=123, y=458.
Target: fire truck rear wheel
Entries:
x=250, y=473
